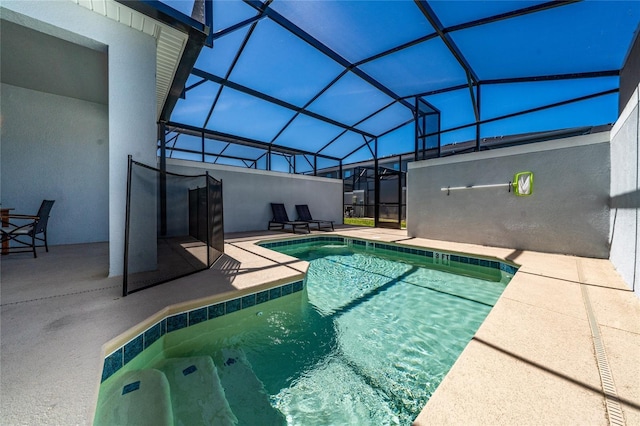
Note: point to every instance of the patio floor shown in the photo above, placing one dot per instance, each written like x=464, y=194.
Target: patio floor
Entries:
x=533, y=361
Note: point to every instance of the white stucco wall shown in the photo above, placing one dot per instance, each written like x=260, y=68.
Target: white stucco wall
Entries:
x=625, y=193
x=36, y=141
x=132, y=94
x=567, y=213
x=247, y=194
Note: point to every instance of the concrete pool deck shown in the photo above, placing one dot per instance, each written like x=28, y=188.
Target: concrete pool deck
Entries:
x=533, y=361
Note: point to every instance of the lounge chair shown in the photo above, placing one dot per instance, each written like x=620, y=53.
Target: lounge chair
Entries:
x=24, y=235
x=305, y=215
x=281, y=219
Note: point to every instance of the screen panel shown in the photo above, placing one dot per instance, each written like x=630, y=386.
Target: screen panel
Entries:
x=357, y=29
x=280, y=64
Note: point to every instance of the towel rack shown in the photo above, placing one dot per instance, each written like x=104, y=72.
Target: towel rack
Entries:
x=522, y=184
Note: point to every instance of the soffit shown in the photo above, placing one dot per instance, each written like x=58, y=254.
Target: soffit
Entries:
x=170, y=43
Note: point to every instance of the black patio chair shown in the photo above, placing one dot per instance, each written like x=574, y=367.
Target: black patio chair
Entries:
x=281, y=219
x=24, y=235
x=305, y=215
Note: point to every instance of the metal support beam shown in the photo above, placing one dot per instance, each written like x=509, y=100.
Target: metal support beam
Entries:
x=193, y=86
x=306, y=158
x=300, y=33
x=529, y=79
x=376, y=177
x=483, y=21
x=225, y=137
x=393, y=129
x=400, y=177
x=397, y=49
x=554, y=77
x=366, y=143
x=227, y=83
x=208, y=21
x=238, y=26
x=416, y=132
x=305, y=106
x=472, y=95
x=258, y=159
x=374, y=151
x=437, y=92
x=231, y=67
x=357, y=124
x=203, y=149
x=438, y=136
x=527, y=111
x=512, y=14
x=472, y=77
x=422, y=133
x=478, y=119
x=163, y=178
x=428, y=13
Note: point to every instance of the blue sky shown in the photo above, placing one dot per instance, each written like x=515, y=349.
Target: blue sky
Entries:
x=569, y=39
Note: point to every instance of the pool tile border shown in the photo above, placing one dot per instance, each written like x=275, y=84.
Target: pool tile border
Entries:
x=125, y=353
x=428, y=253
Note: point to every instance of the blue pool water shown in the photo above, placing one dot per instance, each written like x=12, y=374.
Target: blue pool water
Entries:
x=397, y=326
x=367, y=342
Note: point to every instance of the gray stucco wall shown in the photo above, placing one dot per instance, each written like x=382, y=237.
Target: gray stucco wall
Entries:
x=247, y=194
x=567, y=213
x=625, y=193
x=54, y=147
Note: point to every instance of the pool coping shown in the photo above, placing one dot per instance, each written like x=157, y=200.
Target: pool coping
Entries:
x=440, y=257
x=132, y=342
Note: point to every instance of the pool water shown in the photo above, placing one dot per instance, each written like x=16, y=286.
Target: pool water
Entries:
x=398, y=326
x=366, y=343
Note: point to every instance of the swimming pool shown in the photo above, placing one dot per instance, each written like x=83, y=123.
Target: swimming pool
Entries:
x=399, y=323
x=367, y=341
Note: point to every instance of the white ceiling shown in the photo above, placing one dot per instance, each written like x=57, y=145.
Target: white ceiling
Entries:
x=39, y=61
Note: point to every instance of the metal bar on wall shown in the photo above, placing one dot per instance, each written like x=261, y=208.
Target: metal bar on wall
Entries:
x=376, y=177
x=125, y=270
x=400, y=191
x=209, y=221
x=163, y=178
x=478, y=118
x=415, y=130
x=203, y=148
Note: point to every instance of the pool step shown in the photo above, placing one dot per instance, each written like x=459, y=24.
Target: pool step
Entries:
x=197, y=397
x=139, y=398
x=246, y=394
x=178, y=391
